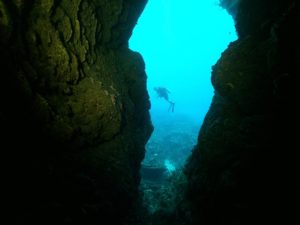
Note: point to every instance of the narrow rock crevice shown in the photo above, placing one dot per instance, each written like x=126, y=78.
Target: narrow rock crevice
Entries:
x=74, y=118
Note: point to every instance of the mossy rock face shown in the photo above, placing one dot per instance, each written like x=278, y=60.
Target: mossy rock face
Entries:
x=74, y=96
x=5, y=23
x=243, y=74
x=244, y=156
x=102, y=121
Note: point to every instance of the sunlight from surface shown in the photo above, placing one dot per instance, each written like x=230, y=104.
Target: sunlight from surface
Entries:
x=180, y=41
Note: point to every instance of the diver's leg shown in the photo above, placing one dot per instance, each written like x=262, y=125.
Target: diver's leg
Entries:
x=169, y=107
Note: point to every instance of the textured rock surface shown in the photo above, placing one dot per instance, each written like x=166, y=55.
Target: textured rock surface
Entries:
x=244, y=168
x=74, y=110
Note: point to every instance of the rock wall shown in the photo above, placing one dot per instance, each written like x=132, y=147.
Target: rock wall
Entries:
x=244, y=167
x=231, y=6
x=74, y=114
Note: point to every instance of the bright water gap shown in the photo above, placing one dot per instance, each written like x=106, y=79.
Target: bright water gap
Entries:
x=180, y=41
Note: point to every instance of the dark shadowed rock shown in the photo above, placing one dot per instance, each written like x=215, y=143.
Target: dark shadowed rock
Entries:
x=243, y=170
x=74, y=110
x=231, y=6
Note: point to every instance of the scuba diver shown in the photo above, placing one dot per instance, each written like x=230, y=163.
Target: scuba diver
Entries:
x=164, y=93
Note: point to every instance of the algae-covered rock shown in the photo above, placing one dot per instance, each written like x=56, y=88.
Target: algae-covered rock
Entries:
x=74, y=107
x=5, y=23
x=243, y=74
x=243, y=169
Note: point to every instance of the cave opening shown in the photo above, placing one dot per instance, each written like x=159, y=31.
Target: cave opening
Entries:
x=179, y=43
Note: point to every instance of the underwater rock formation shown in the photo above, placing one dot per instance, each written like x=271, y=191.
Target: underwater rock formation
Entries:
x=74, y=107
x=243, y=169
x=231, y=6
x=74, y=116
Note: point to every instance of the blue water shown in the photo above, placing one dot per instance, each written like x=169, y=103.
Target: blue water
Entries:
x=180, y=41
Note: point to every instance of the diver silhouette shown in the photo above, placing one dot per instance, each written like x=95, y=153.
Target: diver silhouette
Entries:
x=164, y=93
